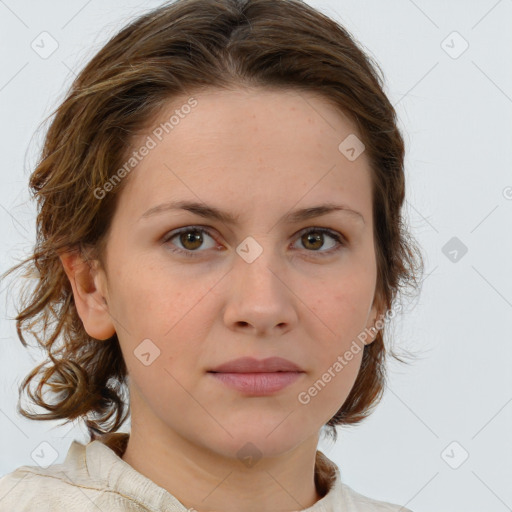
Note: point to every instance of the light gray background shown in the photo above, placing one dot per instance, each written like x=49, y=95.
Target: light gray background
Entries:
x=456, y=112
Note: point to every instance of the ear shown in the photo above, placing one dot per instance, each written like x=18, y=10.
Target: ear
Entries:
x=376, y=311
x=88, y=282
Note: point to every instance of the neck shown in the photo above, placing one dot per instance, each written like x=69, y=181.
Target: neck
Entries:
x=284, y=482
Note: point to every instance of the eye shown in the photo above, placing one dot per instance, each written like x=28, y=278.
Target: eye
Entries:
x=191, y=238
x=312, y=238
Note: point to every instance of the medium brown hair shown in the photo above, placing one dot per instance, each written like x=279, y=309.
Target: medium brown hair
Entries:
x=177, y=49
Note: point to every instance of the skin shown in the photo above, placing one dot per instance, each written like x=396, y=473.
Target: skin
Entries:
x=258, y=154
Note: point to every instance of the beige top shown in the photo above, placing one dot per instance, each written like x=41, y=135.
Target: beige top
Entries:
x=94, y=477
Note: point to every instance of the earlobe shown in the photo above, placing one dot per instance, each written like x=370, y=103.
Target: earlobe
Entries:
x=89, y=287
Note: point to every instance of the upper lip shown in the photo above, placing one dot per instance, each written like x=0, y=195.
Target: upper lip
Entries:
x=252, y=365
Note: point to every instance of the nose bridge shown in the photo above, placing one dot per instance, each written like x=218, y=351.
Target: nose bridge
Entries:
x=259, y=275
x=258, y=261
x=258, y=298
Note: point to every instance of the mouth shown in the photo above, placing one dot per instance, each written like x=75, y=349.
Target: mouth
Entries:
x=257, y=383
x=257, y=377
x=253, y=365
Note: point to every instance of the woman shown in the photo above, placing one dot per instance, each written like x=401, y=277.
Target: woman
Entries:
x=220, y=235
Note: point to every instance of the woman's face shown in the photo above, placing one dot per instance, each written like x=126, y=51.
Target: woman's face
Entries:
x=267, y=284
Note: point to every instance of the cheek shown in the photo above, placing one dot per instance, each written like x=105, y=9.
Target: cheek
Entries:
x=329, y=388
x=343, y=310
x=162, y=389
x=149, y=302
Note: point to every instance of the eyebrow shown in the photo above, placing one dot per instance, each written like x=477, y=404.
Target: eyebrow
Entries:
x=211, y=212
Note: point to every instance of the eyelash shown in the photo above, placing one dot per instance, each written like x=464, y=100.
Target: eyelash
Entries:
x=340, y=240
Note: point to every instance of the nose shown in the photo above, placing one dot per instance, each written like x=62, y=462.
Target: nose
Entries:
x=260, y=300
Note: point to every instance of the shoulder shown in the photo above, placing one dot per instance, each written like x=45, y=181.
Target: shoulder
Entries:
x=30, y=488
x=64, y=486
x=81, y=483
x=358, y=502
x=27, y=489
x=342, y=497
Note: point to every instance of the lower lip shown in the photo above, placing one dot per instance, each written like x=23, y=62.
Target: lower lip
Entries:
x=258, y=383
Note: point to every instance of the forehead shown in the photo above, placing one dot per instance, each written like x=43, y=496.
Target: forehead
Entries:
x=248, y=148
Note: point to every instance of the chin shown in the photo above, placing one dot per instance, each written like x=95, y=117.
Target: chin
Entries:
x=253, y=443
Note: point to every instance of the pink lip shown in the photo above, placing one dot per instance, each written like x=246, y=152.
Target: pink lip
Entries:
x=258, y=384
x=252, y=365
x=254, y=377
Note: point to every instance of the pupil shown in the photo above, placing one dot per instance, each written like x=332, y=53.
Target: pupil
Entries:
x=314, y=238
x=188, y=237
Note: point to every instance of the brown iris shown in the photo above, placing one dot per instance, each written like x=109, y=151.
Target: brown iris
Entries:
x=192, y=236
x=312, y=238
